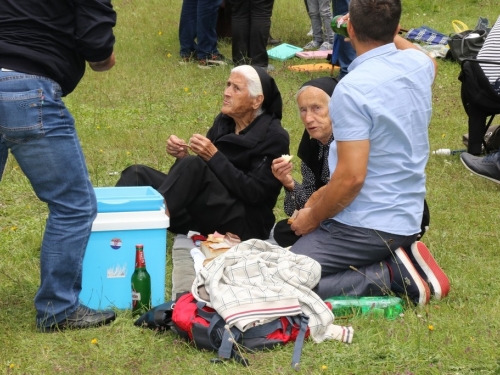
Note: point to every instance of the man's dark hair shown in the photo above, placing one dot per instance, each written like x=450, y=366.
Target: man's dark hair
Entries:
x=375, y=20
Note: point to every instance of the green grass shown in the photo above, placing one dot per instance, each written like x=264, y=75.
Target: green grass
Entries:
x=125, y=116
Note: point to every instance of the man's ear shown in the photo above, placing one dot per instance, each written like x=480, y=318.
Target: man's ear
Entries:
x=350, y=30
x=259, y=99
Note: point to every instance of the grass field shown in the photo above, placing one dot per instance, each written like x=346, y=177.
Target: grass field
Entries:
x=125, y=116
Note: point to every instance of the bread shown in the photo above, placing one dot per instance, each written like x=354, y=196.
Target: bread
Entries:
x=292, y=218
x=287, y=158
x=213, y=249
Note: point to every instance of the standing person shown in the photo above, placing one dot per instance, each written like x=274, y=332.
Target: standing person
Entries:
x=321, y=20
x=346, y=50
x=43, y=49
x=251, y=22
x=198, y=33
x=363, y=225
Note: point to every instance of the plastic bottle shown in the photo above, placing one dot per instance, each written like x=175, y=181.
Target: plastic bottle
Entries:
x=141, y=283
x=388, y=307
x=339, y=27
x=447, y=151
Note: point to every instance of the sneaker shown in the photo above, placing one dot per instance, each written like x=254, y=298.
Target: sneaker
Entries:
x=312, y=45
x=273, y=42
x=187, y=59
x=82, y=317
x=406, y=279
x=429, y=270
x=326, y=46
x=269, y=68
x=211, y=61
x=482, y=166
x=310, y=32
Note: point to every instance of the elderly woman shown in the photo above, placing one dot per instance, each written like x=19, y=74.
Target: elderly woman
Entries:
x=227, y=186
x=312, y=100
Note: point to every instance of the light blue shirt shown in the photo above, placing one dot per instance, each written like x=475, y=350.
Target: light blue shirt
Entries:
x=387, y=99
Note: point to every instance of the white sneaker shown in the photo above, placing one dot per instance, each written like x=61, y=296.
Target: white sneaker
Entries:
x=312, y=45
x=310, y=33
x=326, y=46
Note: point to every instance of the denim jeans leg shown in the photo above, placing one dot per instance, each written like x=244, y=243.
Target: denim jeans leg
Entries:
x=187, y=27
x=325, y=12
x=4, y=153
x=42, y=137
x=206, y=28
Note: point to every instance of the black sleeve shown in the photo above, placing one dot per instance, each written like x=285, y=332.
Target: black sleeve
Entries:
x=94, y=37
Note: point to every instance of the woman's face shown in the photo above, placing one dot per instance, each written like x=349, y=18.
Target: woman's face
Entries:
x=313, y=108
x=237, y=101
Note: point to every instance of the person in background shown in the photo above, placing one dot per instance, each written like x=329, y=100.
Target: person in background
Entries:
x=321, y=19
x=251, y=22
x=227, y=185
x=43, y=49
x=363, y=225
x=312, y=100
x=198, y=34
x=346, y=50
x=488, y=166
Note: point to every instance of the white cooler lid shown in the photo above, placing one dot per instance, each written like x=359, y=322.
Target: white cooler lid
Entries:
x=130, y=220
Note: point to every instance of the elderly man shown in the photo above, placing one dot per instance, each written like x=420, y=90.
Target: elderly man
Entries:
x=227, y=186
x=363, y=225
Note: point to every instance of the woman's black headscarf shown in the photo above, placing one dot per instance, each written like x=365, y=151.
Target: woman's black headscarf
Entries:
x=273, y=104
x=309, y=147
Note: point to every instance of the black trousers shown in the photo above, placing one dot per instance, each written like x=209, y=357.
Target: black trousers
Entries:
x=195, y=198
x=250, y=24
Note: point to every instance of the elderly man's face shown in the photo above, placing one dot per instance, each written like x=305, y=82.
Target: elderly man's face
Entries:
x=313, y=108
x=237, y=101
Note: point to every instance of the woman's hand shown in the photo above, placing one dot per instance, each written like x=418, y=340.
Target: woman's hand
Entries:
x=282, y=170
x=202, y=146
x=177, y=147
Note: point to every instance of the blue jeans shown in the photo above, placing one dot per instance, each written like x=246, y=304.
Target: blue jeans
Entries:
x=198, y=21
x=40, y=132
x=346, y=52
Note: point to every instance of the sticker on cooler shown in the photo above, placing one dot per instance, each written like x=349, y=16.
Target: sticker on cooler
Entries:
x=117, y=271
x=116, y=243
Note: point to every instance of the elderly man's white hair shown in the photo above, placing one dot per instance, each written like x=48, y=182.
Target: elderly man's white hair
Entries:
x=254, y=85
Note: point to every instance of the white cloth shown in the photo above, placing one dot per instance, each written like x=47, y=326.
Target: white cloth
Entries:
x=255, y=282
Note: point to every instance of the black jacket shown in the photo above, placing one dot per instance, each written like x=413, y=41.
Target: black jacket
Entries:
x=243, y=165
x=54, y=38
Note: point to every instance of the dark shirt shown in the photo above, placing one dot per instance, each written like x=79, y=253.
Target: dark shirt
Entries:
x=54, y=38
x=297, y=198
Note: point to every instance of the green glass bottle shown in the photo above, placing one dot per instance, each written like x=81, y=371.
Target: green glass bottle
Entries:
x=339, y=27
x=141, y=283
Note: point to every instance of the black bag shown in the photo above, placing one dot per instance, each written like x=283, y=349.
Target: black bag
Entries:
x=464, y=47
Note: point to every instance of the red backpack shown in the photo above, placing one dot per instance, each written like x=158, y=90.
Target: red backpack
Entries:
x=205, y=329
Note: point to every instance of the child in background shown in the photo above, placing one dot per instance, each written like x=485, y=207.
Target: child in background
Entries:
x=321, y=17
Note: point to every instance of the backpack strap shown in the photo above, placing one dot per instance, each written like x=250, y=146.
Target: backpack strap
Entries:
x=299, y=342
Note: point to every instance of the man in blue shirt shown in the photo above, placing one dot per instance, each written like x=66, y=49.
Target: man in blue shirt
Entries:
x=363, y=225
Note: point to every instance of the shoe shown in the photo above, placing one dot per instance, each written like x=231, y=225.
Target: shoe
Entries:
x=269, y=68
x=273, y=42
x=310, y=32
x=326, y=46
x=213, y=60
x=312, y=45
x=482, y=166
x=406, y=279
x=82, y=317
x=429, y=270
x=187, y=59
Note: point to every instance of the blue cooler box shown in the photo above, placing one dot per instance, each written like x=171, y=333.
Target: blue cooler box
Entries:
x=126, y=216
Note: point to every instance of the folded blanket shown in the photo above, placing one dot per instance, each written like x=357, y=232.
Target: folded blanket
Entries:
x=256, y=282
